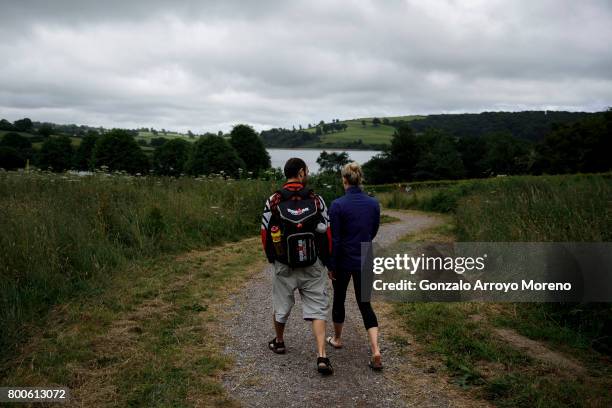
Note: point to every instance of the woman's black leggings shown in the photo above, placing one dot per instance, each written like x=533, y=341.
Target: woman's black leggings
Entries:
x=340, y=285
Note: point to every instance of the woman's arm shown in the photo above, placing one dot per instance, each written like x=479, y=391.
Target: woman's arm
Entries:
x=334, y=220
x=376, y=223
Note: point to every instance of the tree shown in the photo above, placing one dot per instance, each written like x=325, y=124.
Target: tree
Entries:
x=16, y=141
x=473, y=150
x=438, y=157
x=23, y=125
x=505, y=154
x=190, y=134
x=386, y=121
x=250, y=148
x=333, y=161
x=363, y=123
x=212, y=154
x=45, y=130
x=118, y=150
x=21, y=144
x=169, y=158
x=6, y=125
x=581, y=147
x=56, y=154
x=376, y=122
x=10, y=158
x=379, y=170
x=157, y=141
x=82, y=157
x=404, y=152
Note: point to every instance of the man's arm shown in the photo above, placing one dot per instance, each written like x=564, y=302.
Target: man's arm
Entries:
x=266, y=240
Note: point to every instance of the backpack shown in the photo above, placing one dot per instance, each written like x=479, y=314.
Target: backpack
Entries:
x=294, y=236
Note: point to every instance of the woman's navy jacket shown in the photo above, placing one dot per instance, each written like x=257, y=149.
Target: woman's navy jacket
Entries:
x=354, y=219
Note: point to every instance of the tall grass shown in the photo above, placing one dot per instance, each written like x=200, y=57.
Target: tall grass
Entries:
x=61, y=235
x=518, y=208
x=531, y=209
x=553, y=208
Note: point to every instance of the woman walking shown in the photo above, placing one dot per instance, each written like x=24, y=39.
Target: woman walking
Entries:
x=354, y=219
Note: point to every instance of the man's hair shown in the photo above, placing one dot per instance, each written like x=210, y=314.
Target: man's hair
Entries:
x=353, y=174
x=293, y=166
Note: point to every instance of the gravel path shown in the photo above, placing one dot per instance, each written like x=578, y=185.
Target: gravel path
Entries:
x=261, y=378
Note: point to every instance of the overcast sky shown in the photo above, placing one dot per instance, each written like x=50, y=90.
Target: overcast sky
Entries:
x=189, y=65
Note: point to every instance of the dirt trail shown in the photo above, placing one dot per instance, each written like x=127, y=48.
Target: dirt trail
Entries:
x=261, y=378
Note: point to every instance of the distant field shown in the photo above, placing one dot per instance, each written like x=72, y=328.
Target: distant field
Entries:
x=369, y=134
x=76, y=141
x=147, y=136
x=169, y=135
x=3, y=132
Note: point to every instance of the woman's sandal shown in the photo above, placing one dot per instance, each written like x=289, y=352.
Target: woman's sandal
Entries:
x=331, y=343
x=277, y=347
x=375, y=363
x=324, y=366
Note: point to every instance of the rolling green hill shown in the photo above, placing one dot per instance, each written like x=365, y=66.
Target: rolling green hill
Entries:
x=369, y=135
x=532, y=126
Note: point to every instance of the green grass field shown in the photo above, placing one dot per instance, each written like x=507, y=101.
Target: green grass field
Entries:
x=168, y=135
x=369, y=134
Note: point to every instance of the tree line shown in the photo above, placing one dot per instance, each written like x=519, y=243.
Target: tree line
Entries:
x=436, y=154
x=527, y=125
x=118, y=150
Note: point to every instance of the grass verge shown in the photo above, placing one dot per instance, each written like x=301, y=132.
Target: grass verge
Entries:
x=149, y=338
x=461, y=338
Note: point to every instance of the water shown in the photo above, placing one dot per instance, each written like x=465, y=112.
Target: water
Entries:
x=310, y=156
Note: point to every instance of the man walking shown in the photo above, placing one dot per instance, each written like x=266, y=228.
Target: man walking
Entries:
x=297, y=240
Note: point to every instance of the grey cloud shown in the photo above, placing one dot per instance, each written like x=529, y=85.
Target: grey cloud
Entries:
x=207, y=65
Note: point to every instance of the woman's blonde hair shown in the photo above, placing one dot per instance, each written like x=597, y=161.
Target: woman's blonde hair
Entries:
x=353, y=174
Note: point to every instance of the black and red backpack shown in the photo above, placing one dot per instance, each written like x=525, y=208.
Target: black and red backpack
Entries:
x=297, y=218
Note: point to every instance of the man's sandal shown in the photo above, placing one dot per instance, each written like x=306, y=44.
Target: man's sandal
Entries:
x=375, y=363
x=324, y=366
x=277, y=347
x=330, y=341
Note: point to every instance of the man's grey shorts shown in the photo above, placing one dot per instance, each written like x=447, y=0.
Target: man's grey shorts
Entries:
x=310, y=281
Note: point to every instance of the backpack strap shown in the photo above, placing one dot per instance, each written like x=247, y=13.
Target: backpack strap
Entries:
x=287, y=194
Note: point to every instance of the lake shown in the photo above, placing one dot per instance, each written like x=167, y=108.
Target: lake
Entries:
x=310, y=156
